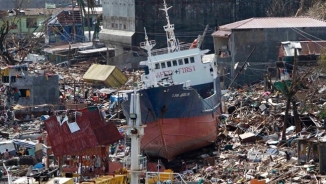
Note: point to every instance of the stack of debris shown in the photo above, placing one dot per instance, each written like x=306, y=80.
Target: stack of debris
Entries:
x=250, y=146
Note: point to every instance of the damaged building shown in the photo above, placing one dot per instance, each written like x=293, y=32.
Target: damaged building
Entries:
x=234, y=42
x=29, y=89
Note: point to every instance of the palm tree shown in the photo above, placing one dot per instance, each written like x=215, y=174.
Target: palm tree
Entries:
x=90, y=6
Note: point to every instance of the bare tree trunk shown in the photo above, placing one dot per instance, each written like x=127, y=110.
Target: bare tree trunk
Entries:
x=88, y=23
x=296, y=116
x=300, y=9
x=73, y=21
x=286, y=118
x=290, y=94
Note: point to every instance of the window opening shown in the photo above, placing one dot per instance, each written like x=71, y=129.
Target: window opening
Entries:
x=163, y=65
x=186, y=61
x=192, y=60
x=180, y=62
x=169, y=63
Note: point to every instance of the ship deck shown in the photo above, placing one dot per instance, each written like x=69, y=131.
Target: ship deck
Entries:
x=161, y=51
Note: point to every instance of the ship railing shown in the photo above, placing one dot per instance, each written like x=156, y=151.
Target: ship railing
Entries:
x=151, y=42
x=142, y=162
x=156, y=52
x=163, y=177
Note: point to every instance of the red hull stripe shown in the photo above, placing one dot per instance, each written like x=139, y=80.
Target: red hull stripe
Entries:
x=170, y=137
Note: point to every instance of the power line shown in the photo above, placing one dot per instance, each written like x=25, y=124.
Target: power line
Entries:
x=307, y=33
x=307, y=37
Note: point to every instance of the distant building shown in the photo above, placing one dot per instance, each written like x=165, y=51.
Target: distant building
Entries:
x=91, y=19
x=234, y=42
x=83, y=51
x=23, y=4
x=28, y=20
x=64, y=27
x=27, y=4
x=29, y=90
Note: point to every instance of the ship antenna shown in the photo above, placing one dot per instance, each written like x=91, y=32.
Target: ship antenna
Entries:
x=172, y=42
x=148, y=45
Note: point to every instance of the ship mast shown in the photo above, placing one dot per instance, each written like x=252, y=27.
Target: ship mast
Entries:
x=172, y=42
x=8, y=173
x=135, y=130
x=148, y=45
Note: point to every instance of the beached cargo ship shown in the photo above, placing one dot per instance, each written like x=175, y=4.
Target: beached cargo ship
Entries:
x=179, y=96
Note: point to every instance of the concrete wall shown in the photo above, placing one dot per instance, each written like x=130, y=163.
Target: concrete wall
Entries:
x=43, y=91
x=119, y=15
x=189, y=17
x=267, y=42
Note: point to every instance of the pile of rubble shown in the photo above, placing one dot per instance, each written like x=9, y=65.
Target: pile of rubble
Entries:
x=250, y=146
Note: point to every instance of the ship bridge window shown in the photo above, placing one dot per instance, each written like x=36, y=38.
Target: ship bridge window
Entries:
x=192, y=60
x=174, y=62
x=180, y=61
x=157, y=66
x=186, y=61
x=168, y=63
x=163, y=65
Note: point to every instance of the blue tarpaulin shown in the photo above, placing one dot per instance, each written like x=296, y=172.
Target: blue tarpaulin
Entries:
x=38, y=166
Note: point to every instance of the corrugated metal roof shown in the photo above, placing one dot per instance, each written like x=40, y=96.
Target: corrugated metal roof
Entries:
x=274, y=22
x=94, y=131
x=221, y=33
x=312, y=47
x=304, y=48
x=98, y=72
x=65, y=47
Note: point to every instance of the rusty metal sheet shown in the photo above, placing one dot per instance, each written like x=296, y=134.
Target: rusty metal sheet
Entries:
x=94, y=131
x=306, y=48
x=312, y=47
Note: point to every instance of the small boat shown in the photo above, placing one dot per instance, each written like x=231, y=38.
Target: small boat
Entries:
x=179, y=96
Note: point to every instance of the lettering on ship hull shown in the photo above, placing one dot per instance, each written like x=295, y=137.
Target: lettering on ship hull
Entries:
x=177, y=71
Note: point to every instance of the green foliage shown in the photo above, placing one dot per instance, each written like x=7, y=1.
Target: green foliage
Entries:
x=322, y=114
x=317, y=9
x=322, y=60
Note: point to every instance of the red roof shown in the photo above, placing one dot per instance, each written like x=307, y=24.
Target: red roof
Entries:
x=94, y=131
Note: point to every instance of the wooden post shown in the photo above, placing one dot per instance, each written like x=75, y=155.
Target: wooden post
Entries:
x=74, y=92
x=69, y=63
x=107, y=56
x=118, y=107
x=60, y=162
x=81, y=170
x=265, y=82
x=73, y=21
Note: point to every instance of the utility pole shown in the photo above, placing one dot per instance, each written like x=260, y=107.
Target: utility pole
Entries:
x=69, y=62
x=290, y=93
x=89, y=23
x=73, y=21
x=241, y=69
